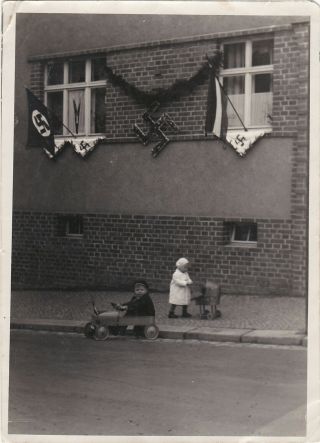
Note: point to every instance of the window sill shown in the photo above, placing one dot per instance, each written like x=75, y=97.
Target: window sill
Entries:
x=267, y=129
x=244, y=245
x=73, y=236
x=81, y=137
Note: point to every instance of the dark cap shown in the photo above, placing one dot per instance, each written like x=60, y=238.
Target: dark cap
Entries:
x=141, y=282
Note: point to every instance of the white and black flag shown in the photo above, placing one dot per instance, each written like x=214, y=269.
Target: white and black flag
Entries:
x=216, y=117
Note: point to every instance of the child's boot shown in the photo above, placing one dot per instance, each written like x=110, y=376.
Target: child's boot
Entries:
x=171, y=312
x=185, y=313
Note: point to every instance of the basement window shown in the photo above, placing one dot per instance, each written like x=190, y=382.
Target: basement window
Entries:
x=70, y=226
x=242, y=233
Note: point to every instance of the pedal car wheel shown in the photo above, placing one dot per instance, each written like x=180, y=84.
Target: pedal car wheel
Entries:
x=151, y=332
x=89, y=330
x=101, y=333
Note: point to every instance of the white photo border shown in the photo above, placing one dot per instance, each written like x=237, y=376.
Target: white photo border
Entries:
x=306, y=8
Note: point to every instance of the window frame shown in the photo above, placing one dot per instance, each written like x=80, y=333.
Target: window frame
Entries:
x=63, y=226
x=79, y=221
x=64, y=87
x=248, y=71
x=231, y=230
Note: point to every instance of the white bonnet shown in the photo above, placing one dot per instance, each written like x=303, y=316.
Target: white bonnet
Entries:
x=182, y=261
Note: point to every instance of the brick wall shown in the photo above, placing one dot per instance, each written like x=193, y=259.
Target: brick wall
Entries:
x=182, y=61
x=160, y=64
x=37, y=79
x=300, y=165
x=115, y=249
x=285, y=84
x=156, y=68
x=291, y=117
x=117, y=246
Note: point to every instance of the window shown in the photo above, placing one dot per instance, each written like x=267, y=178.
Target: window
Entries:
x=241, y=233
x=70, y=226
x=247, y=79
x=75, y=95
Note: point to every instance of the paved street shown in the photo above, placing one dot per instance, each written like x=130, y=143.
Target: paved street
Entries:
x=67, y=384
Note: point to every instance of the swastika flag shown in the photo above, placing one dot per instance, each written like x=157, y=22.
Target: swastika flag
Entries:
x=40, y=129
x=242, y=141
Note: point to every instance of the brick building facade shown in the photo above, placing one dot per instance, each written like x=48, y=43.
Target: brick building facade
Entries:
x=137, y=215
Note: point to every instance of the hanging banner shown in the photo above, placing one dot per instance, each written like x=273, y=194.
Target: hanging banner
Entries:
x=40, y=130
x=216, y=116
x=242, y=141
x=82, y=146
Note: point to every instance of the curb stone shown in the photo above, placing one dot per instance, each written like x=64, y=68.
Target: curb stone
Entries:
x=49, y=325
x=275, y=337
x=174, y=332
x=216, y=334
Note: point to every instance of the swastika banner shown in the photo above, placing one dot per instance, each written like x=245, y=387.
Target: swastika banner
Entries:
x=242, y=141
x=40, y=132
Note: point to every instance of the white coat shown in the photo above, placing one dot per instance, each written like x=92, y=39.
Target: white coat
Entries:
x=180, y=293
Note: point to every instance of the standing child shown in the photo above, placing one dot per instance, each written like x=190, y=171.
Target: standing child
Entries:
x=180, y=293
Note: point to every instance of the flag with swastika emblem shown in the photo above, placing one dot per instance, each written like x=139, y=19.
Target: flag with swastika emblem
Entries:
x=40, y=129
x=242, y=141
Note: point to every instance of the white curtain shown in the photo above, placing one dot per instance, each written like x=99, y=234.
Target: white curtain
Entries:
x=76, y=107
x=234, y=56
x=261, y=109
x=234, y=87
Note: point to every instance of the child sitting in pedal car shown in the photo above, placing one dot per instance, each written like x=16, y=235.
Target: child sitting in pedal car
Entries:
x=140, y=304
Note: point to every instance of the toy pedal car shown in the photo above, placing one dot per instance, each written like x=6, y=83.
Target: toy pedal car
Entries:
x=101, y=326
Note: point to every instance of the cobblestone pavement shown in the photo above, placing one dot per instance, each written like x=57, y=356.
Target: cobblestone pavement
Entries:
x=256, y=312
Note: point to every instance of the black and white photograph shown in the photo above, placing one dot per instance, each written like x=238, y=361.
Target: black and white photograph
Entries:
x=160, y=234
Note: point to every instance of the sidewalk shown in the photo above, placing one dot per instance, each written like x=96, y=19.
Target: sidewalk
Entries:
x=247, y=319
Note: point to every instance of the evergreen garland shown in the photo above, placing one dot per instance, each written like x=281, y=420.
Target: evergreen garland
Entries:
x=175, y=91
